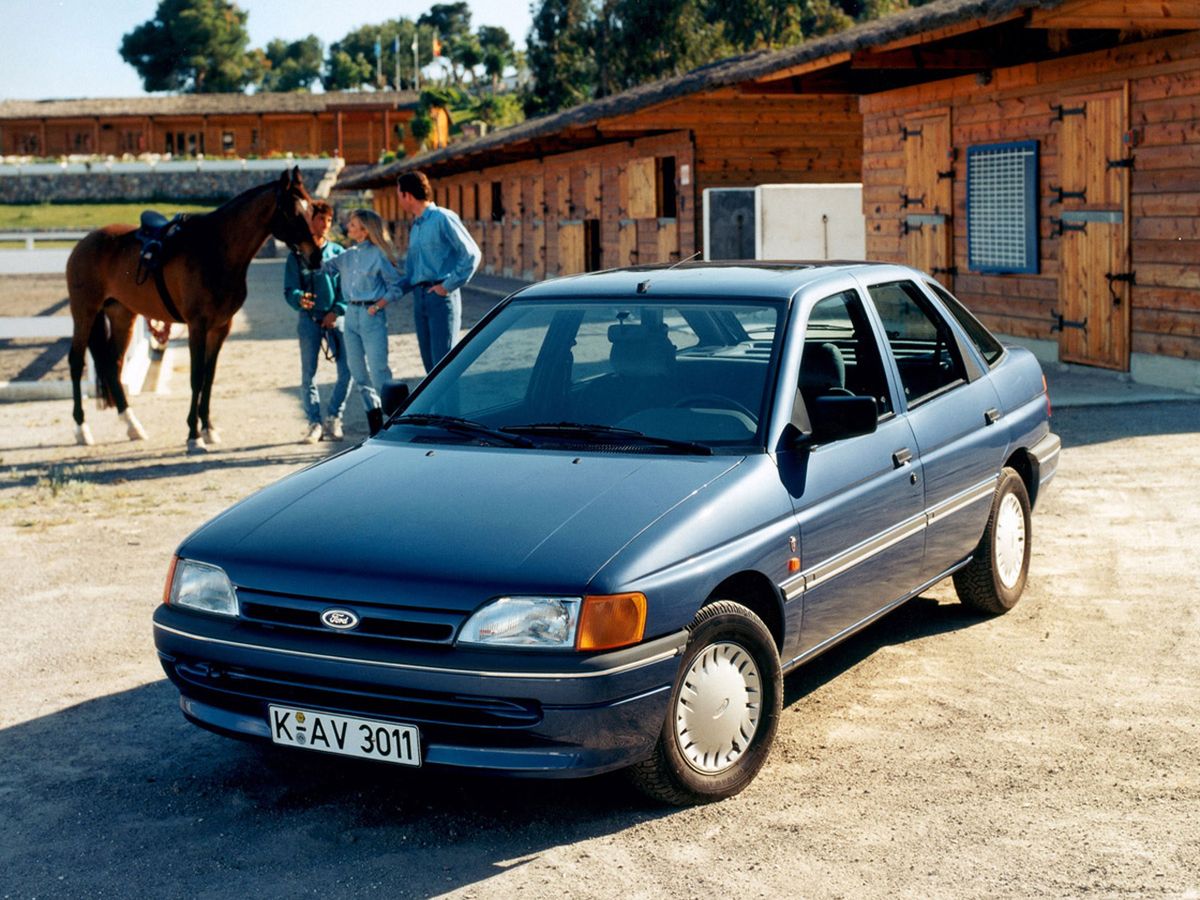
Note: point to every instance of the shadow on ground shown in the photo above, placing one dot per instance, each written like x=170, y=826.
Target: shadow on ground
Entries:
x=120, y=796
x=1079, y=426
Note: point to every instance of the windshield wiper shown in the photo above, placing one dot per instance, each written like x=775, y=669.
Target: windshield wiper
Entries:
x=462, y=426
x=605, y=434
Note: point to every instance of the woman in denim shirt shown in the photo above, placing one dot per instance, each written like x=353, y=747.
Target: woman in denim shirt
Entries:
x=369, y=283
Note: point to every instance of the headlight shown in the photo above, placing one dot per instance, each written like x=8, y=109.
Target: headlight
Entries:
x=524, y=622
x=202, y=587
x=582, y=623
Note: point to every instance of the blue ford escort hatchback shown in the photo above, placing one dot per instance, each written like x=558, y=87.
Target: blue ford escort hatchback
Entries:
x=603, y=529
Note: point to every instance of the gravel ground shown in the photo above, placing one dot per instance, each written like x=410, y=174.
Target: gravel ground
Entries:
x=1048, y=752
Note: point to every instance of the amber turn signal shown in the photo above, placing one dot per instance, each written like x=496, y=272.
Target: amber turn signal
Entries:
x=170, y=579
x=614, y=620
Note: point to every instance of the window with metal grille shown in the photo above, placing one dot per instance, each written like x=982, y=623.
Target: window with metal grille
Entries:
x=1002, y=226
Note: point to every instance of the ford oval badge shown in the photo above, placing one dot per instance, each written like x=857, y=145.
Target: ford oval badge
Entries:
x=340, y=619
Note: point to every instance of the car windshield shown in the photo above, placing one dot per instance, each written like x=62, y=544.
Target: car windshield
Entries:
x=671, y=377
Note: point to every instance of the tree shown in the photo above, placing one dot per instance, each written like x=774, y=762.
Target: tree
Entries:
x=195, y=46
x=498, y=54
x=751, y=24
x=293, y=67
x=448, y=20
x=352, y=64
x=636, y=41
x=560, y=57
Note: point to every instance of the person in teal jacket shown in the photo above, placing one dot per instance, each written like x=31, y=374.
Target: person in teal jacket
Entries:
x=317, y=296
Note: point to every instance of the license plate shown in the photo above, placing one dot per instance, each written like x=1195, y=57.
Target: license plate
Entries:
x=348, y=736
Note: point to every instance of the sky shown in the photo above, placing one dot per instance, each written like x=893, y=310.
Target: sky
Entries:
x=55, y=49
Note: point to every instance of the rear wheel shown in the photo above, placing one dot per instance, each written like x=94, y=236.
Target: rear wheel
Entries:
x=723, y=713
x=994, y=579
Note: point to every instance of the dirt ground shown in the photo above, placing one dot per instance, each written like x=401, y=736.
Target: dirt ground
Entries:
x=1048, y=752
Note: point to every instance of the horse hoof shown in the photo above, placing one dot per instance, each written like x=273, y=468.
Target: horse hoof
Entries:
x=83, y=436
x=196, y=445
x=212, y=436
x=133, y=427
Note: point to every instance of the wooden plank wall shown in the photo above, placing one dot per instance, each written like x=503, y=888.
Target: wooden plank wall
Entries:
x=1163, y=76
x=546, y=202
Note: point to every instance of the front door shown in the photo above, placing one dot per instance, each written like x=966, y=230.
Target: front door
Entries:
x=927, y=201
x=1094, y=251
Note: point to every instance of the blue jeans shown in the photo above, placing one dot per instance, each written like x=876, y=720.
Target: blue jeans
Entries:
x=437, y=321
x=310, y=353
x=367, y=352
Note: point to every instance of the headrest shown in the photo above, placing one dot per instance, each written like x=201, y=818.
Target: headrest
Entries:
x=641, y=351
x=822, y=368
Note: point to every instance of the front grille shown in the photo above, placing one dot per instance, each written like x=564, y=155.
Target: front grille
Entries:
x=236, y=687
x=380, y=623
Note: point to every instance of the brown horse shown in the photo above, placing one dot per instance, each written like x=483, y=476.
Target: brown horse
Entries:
x=204, y=275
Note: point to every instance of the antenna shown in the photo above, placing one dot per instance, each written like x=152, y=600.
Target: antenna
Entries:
x=682, y=261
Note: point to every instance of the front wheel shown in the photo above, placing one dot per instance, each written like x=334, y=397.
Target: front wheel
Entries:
x=723, y=713
x=993, y=580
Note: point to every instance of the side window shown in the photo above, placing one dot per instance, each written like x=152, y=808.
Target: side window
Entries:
x=921, y=341
x=989, y=348
x=840, y=354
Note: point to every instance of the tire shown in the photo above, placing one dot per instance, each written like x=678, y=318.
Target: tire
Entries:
x=993, y=580
x=706, y=751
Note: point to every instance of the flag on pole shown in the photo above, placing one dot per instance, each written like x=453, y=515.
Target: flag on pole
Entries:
x=437, y=45
x=378, y=61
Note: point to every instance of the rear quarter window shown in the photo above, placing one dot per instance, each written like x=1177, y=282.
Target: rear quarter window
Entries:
x=987, y=345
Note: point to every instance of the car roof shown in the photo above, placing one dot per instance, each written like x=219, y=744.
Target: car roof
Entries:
x=726, y=280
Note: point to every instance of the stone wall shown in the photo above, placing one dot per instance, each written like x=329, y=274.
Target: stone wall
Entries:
x=113, y=187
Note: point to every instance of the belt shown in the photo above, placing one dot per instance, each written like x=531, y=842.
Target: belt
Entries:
x=363, y=302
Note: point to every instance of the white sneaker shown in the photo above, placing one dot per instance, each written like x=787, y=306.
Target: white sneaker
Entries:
x=334, y=430
x=313, y=434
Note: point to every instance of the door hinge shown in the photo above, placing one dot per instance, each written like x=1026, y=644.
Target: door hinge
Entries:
x=949, y=173
x=906, y=133
x=952, y=271
x=1062, y=195
x=1060, y=112
x=1061, y=227
x=1061, y=323
x=907, y=200
x=1126, y=163
x=907, y=228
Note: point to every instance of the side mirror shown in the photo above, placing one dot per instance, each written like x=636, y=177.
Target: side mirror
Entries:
x=395, y=393
x=834, y=417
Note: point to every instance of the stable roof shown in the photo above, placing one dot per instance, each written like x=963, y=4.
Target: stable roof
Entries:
x=940, y=40
x=208, y=104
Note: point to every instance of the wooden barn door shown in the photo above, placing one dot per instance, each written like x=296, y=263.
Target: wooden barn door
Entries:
x=927, y=201
x=1094, y=254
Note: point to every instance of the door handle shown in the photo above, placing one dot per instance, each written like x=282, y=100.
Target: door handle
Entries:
x=991, y=416
x=901, y=457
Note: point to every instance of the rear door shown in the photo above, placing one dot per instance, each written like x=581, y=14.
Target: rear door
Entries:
x=953, y=410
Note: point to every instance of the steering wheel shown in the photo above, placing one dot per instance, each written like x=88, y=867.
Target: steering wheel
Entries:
x=717, y=401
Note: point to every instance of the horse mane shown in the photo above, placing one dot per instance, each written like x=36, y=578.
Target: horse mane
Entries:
x=233, y=204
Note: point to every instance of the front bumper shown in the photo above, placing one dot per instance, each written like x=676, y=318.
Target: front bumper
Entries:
x=514, y=713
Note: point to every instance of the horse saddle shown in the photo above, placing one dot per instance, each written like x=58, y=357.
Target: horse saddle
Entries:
x=154, y=234
x=156, y=229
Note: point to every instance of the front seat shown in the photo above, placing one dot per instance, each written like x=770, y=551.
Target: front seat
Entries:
x=823, y=371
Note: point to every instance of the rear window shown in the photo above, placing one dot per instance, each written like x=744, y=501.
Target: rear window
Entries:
x=989, y=348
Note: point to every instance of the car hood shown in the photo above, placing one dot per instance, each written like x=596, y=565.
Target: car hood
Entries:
x=446, y=526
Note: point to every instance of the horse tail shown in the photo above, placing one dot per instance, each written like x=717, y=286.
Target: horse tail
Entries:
x=100, y=343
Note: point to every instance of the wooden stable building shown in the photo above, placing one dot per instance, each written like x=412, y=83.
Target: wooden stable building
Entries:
x=1041, y=158
x=357, y=126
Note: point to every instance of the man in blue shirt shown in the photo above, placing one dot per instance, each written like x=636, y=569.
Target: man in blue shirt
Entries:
x=442, y=256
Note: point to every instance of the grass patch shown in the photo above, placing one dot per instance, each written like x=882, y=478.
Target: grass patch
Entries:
x=65, y=482
x=86, y=216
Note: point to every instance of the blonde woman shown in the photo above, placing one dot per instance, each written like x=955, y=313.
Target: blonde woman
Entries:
x=369, y=283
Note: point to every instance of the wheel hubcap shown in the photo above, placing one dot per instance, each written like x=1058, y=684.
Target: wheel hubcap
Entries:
x=718, y=709
x=1009, y=550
